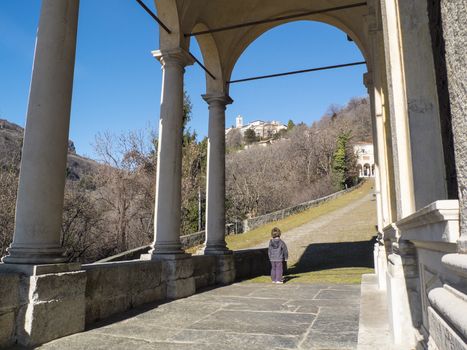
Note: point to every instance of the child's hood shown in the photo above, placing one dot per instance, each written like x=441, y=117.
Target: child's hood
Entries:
x=275, y=243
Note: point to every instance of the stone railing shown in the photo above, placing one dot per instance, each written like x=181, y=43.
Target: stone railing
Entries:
x=251, y=224
x=187, y=241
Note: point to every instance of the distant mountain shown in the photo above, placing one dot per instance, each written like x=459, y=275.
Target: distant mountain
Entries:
x=11, y=141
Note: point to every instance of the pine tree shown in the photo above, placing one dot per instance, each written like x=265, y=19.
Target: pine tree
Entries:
x=342, y=161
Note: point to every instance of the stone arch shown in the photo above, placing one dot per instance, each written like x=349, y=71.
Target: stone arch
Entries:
x=211, y=60
x=167, y=12
x=255, y=32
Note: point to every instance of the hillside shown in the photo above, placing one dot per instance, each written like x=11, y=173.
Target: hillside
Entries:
x=11, y=140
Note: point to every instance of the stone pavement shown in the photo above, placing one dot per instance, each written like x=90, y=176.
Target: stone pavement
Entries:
x=240, y=316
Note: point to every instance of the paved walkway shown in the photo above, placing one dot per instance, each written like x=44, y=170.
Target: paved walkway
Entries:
x=259, y=315
x=239, y=316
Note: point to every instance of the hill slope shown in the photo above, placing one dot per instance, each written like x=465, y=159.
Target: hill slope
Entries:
x=11, y=141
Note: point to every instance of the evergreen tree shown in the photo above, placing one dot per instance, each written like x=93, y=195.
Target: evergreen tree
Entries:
x=249, y=137
x=290, y=125
x=342, y=161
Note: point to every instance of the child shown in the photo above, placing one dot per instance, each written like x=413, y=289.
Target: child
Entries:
x=277, y=255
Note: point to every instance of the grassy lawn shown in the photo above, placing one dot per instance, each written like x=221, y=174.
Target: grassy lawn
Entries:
x=338, y=252
x=263, y=233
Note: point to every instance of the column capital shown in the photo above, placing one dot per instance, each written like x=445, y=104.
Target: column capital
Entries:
x=219, y=98
x=177, y=56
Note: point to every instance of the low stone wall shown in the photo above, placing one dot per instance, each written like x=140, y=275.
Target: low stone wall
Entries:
x=118, y=286
x=64, y=298
x=251, y=224
x=204, y=270
x=187, y=241
x=251, y=263
x=193, y=239
x=9, y=305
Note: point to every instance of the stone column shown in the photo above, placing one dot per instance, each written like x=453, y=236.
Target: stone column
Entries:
x=376, y=94
x=398, y=111
x=51, y=297
x=39, y=204
x=368, y=81
x=169, y=153
x=215, y=196
x=177, y=266
x=215, y=187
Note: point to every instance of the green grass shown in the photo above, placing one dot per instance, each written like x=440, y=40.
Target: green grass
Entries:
x=263, y=233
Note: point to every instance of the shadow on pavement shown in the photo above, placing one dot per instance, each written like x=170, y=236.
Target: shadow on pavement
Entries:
x=325, y=256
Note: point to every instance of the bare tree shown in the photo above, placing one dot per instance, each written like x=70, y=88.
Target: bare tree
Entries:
x=8, y=188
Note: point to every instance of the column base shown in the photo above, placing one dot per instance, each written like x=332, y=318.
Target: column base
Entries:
x=216, y=249
x=34, y=255
x=169, y=248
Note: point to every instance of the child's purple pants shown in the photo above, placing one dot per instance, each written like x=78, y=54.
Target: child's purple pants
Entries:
x=276, y=271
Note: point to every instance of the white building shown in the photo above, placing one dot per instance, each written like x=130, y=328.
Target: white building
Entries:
x=263, y=130
x=365, y=159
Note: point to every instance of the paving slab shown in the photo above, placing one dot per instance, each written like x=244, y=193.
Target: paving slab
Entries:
x=239, y=316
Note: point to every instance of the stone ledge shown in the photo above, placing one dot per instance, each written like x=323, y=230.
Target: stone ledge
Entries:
x=437, y=222
x=36, y=270
x=452, y=306
x=456, y=263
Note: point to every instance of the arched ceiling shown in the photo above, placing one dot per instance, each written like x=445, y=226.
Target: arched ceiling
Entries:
x=230, y=44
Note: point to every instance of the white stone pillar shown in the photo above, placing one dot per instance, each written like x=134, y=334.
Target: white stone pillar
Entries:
x=39, y=204
x=169, y=153
x=403, y=174
x=215, y=189
x=429, y=172
x=368, y=81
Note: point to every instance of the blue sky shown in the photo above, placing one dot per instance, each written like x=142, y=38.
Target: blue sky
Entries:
x=117, y=81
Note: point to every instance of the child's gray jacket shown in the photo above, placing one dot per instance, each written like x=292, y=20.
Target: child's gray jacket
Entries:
x=277, y=250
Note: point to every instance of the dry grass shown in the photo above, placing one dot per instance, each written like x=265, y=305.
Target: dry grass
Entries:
x=262, y=234
x=346, y=275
